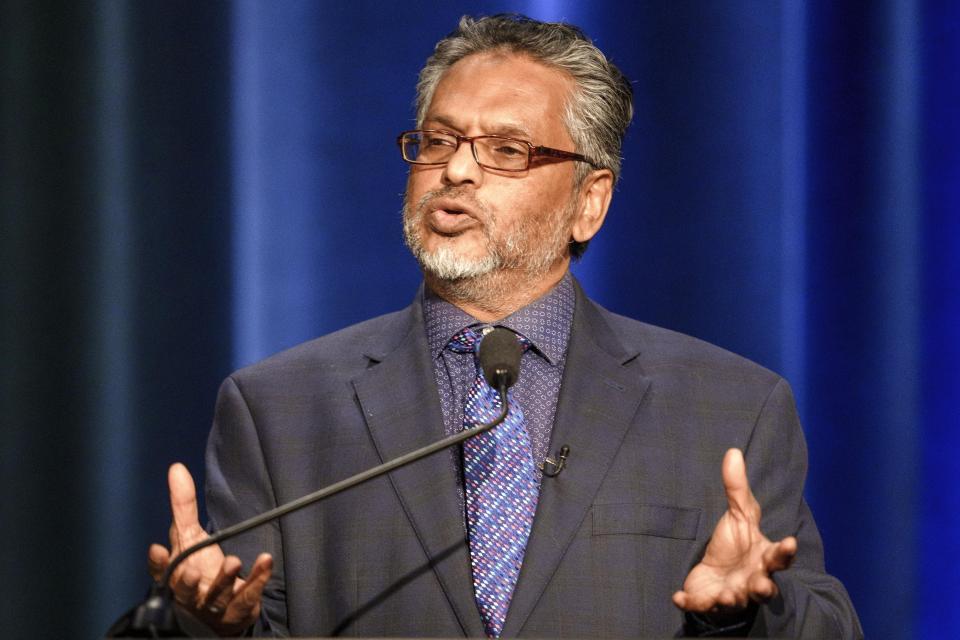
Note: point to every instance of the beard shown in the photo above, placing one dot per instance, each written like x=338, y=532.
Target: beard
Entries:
x=528, y=248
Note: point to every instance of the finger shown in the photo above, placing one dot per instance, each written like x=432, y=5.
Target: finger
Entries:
x=259, y=574
x=248, y=594
x=245, y=606
x=186, y=588
x=220, y=592
x=183, y=499
x=157, y=560
x=693, y=603
x=730, y=599
x=779, y=556
x=739, y=496
x=761, y=587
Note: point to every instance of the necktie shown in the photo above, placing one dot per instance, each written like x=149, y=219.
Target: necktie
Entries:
x=501, y=489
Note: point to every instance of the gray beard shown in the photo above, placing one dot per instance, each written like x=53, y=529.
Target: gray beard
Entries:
x=445, y=263
x=508, y=272
x=510, y=253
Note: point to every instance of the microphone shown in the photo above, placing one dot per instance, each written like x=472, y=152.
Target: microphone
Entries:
x=500, y=358
x=551, y=468
x=161, y=616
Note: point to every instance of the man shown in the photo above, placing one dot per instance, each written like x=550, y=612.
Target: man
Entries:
x=644, y=532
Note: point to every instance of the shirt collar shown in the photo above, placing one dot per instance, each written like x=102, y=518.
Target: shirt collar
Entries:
x=545, y=322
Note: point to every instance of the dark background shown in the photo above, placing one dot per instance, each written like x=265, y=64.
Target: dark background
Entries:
x=182, y=194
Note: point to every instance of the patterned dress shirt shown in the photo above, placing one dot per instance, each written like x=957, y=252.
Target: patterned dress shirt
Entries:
x=546, y=322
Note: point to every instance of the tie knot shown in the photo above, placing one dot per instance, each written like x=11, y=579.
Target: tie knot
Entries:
x=468, y=340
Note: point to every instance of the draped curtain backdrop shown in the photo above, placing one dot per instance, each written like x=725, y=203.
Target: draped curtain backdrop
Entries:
x=188, y=187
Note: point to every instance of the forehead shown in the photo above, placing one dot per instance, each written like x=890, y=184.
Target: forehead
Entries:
x=502, y=93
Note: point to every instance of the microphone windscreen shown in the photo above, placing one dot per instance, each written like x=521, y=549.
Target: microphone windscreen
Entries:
x=500, y=350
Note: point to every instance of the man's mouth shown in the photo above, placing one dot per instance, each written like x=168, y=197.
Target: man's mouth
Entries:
x=448, y=217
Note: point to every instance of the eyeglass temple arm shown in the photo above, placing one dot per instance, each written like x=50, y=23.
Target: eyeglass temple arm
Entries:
x=566, y=155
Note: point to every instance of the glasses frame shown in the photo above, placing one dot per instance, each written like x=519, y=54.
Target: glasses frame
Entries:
x=535, y=151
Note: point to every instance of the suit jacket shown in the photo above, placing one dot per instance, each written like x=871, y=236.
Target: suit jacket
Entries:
x=647, y=414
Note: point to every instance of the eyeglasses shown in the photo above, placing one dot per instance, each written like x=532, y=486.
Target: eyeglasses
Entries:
x=433, y=146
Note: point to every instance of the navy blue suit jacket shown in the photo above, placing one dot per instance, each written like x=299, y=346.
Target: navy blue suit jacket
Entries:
x=647, y=413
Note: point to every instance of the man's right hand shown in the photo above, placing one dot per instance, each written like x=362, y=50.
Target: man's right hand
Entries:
x=207, y=582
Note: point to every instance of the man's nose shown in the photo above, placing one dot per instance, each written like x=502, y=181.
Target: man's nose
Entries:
x=462, y=167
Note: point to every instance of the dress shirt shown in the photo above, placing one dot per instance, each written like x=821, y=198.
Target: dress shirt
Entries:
x=546, y=323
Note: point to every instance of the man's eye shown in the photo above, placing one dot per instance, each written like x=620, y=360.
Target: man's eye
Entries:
x=437, y=141
x=509, y=151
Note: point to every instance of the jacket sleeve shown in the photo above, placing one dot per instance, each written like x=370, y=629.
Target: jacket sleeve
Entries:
x=811, y=603
x=239, y=486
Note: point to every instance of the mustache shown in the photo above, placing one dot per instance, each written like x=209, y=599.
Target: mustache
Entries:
x=456, y=193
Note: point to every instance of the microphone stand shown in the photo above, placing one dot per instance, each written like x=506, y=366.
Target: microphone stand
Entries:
x=160, y=616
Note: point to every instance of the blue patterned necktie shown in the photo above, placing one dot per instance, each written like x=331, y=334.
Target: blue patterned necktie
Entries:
x=501, y=492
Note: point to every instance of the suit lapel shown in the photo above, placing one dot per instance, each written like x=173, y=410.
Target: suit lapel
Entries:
x=598, y=399
x=402, y=409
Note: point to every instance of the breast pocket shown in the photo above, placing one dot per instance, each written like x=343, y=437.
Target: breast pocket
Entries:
x=678, y=523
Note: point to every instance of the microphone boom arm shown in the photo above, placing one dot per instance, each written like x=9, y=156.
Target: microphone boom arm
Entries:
x=342, y=485
x=160, y=614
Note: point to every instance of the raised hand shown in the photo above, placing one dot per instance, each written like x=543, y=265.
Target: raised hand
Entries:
x=737, y=566
x=207, y=582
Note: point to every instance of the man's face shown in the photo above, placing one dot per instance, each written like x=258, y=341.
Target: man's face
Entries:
x=464, y=221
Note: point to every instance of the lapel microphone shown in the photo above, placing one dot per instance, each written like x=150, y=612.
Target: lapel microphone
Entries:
x=551, y=468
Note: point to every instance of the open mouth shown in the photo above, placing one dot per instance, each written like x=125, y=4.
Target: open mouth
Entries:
x=450, y=221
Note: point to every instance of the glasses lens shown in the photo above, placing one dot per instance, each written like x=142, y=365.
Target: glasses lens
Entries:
x=426, y=147
x=410, y=146
x=502, y=153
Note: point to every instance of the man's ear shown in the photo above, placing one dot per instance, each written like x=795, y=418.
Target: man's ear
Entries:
x=594, y=200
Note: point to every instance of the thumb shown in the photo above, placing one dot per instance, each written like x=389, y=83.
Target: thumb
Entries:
x=739, y=496
x=183, y=499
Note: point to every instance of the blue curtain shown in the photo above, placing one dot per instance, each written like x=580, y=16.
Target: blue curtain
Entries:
x=182, y=194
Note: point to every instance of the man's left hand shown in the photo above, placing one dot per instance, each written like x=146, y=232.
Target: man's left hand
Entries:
x=739, y=561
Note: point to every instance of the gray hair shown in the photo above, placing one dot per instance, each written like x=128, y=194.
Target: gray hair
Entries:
x=600, y=108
